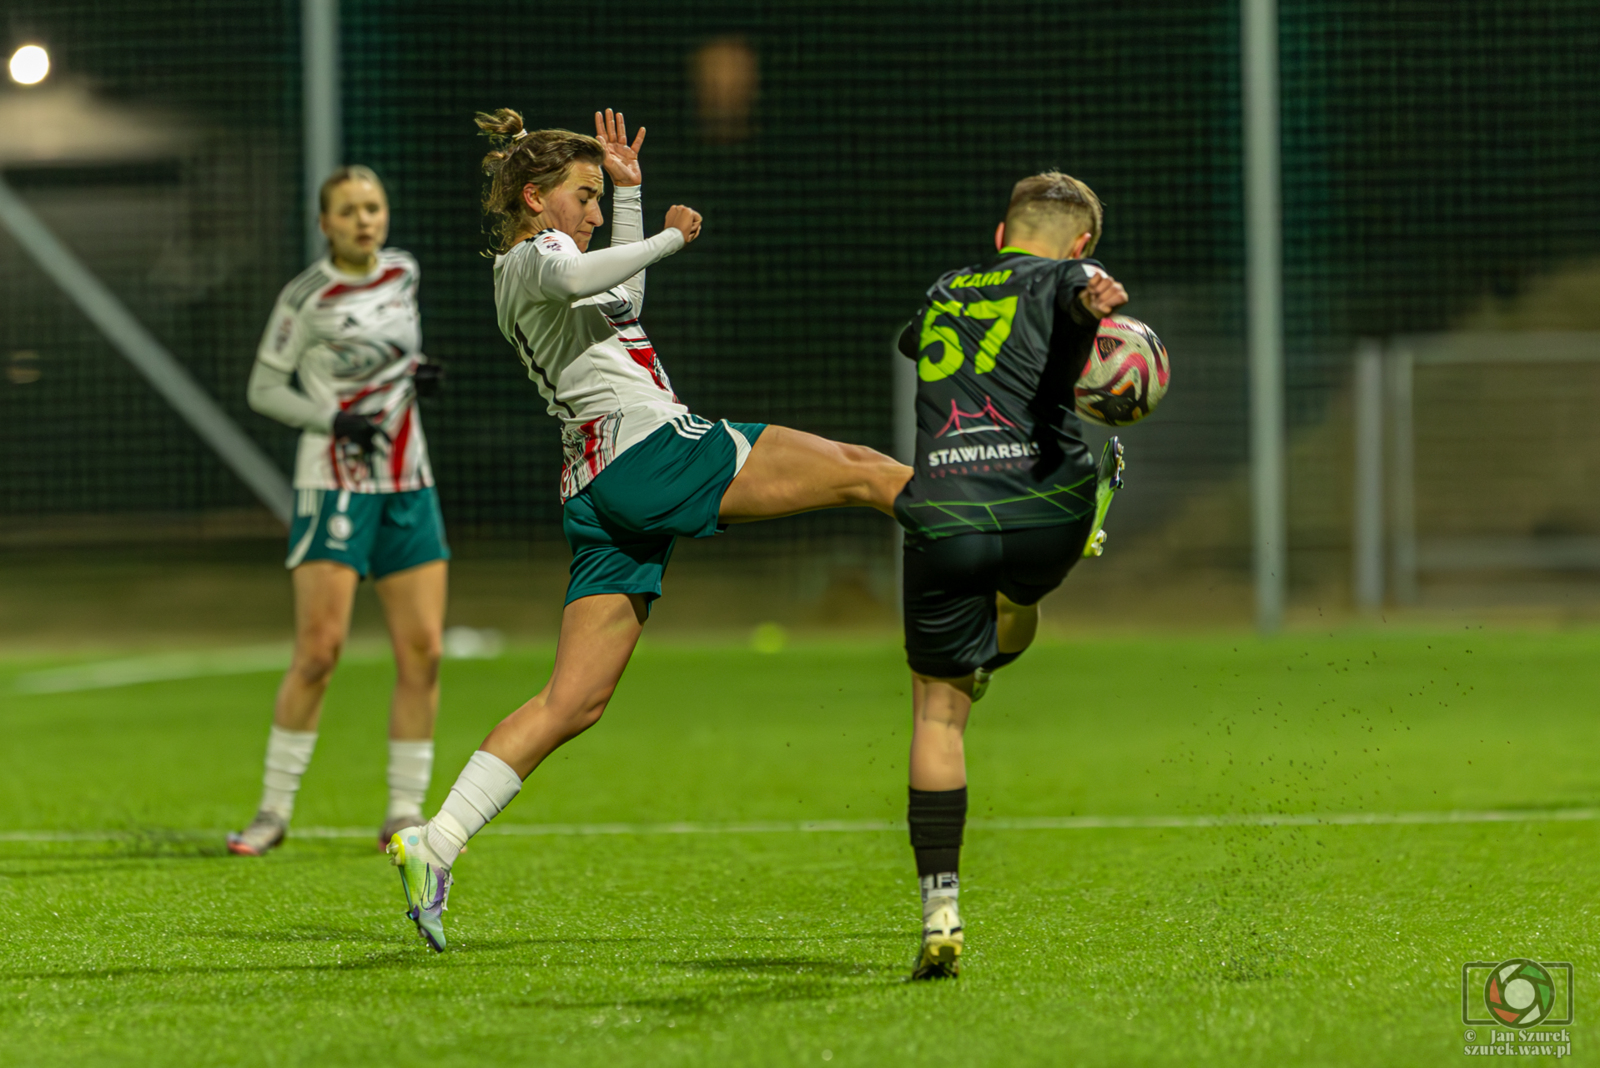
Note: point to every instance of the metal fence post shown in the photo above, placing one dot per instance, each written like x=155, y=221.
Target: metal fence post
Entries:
x=1366, y=541
x=1402, y=474
x=323, y=145
x=1264, y=298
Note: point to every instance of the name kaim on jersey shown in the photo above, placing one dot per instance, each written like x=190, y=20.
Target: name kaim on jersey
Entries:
x=977, y=281
x=970, y=453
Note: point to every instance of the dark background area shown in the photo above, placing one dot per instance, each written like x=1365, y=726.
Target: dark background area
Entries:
x=1436, y=156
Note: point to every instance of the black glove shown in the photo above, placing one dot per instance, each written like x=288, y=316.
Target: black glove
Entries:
x=429, y=378
x=358, y=428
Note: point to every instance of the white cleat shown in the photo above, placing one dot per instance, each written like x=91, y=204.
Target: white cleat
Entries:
x=941, y=941
x=980, y=683
x=266, y=832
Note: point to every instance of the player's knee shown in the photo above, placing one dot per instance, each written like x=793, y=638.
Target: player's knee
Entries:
x=418, y=659
x=584, y=716
x=579, y=714
x=591, y=714
x=317, y=655
x=879, y=478
x=886, y=475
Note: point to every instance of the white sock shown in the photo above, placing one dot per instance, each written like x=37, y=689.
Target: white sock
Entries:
x=946, y=886
x=486, y=786
x=410, y=767
x=288, y=756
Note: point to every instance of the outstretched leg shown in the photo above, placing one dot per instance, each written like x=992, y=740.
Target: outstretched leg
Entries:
x=597, y=637
x=790, y=471
x=598, y=634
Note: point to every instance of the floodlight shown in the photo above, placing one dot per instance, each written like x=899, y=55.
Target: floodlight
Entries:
x=29, y=65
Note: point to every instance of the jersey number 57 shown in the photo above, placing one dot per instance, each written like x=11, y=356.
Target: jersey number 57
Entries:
x=951, y=355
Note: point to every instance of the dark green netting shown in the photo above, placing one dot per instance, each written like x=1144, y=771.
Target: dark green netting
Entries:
x=1436, y=155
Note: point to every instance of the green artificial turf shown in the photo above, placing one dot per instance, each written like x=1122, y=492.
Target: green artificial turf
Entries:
x=1230, y=945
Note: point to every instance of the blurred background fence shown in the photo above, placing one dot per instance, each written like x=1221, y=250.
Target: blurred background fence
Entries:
x=1438, y=165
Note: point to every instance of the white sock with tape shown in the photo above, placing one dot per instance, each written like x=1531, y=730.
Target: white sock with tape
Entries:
x=486, y=786
x=410, y=768
x=288, y=756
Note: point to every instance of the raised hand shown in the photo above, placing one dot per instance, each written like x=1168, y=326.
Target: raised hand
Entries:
x=622, y=159
x=687, y=220
x=1103, y=295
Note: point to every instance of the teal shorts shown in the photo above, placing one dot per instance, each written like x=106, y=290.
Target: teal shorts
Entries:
x=371, y=533
x=622, y=527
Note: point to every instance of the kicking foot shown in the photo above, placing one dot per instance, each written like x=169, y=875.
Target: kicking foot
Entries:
x=267, y=831
x=395, y=824
x=980, y=683
x=425, y=881
x=941, y=942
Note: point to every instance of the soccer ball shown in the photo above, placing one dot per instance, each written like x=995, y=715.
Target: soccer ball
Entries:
x=1126, y=375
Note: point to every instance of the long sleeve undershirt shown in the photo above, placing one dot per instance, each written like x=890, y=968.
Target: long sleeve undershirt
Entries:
x=271, y=394
x=627, y=228
x=575, y=275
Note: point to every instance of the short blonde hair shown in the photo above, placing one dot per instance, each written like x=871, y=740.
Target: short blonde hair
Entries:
x=353, y=172
x=1051, y=200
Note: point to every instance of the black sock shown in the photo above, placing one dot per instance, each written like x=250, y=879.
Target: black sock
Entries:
x=937, y=818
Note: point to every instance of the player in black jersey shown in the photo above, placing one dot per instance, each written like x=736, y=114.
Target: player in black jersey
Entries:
x=1003, y=498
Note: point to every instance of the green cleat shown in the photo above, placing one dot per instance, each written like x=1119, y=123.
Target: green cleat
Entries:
x=1107, y=481
x=425, y=881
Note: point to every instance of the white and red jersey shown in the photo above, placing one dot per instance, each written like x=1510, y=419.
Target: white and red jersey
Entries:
x=354, y=342
x=582, y=344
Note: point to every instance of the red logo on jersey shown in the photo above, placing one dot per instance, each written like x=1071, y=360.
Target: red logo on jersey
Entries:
x=994, y=420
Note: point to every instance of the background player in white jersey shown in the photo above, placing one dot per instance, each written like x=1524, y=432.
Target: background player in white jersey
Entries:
x=640, y=469
x=348, y=329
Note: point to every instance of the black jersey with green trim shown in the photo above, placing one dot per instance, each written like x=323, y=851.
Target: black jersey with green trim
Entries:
x=998, y=348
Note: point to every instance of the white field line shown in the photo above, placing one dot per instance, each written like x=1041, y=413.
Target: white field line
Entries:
x=461, y=643
x=1040, y=823
x=163, y=668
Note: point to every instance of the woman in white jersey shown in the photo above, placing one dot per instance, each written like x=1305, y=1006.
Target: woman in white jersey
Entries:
x=640, y=470
x=365, y=502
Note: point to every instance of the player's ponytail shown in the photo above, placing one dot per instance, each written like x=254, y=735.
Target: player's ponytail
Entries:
x=518, y=158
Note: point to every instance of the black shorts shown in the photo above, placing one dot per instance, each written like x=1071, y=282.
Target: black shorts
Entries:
x=950, y=583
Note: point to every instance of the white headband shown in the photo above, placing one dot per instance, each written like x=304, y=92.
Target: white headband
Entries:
x=519, y=135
